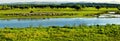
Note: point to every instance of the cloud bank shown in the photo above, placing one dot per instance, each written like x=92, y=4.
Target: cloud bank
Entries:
x=100, y=1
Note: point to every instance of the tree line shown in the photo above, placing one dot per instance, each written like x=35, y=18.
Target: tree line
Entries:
x=76, y=6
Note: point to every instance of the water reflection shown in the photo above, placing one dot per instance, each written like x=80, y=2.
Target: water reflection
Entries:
x=57, y=21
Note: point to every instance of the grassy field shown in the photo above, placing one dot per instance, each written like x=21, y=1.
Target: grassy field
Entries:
x=65, y=33
x=84, y=12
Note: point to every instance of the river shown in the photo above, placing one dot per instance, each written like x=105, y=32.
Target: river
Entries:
x=57, y=22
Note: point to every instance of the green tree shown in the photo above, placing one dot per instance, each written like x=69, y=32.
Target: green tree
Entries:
x=118, y=8
x=77, y=7
x=97, y=7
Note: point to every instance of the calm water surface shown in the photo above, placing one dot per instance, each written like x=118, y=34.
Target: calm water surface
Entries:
x=57, y=22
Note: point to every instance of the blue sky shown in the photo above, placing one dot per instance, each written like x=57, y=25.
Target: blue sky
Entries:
x=102, y=1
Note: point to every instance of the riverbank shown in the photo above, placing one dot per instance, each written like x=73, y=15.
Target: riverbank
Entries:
x=53, y=13
x=55, y=33
x=44, y=17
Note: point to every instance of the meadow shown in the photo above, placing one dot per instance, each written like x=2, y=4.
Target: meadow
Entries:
x=109, y=32
x=55, y=12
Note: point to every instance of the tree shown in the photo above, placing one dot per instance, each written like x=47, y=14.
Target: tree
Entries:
x=118, y=8
x=98, y=7
x=77, y=7
x=83, y=6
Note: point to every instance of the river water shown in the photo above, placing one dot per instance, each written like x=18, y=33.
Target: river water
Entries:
x=57, y=22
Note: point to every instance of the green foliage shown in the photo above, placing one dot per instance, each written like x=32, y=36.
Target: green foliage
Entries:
x=31, y=11
x=77, y=7
x=118, y=8
x=5, y=7
x=52, y=13
x=98, y=7
x=55, y=33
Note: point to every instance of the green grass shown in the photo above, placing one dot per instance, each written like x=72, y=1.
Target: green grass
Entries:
x=66, y=33
x=80, y=13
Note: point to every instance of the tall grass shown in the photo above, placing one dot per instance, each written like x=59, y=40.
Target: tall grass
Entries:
x=55, y=33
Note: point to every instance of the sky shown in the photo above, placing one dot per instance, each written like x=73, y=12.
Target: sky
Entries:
x=101, y=1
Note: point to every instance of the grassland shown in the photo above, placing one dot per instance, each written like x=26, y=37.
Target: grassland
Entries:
x=64, y=12
x=55, y=33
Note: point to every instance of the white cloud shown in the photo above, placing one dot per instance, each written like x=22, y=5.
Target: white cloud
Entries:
x=104, y=1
